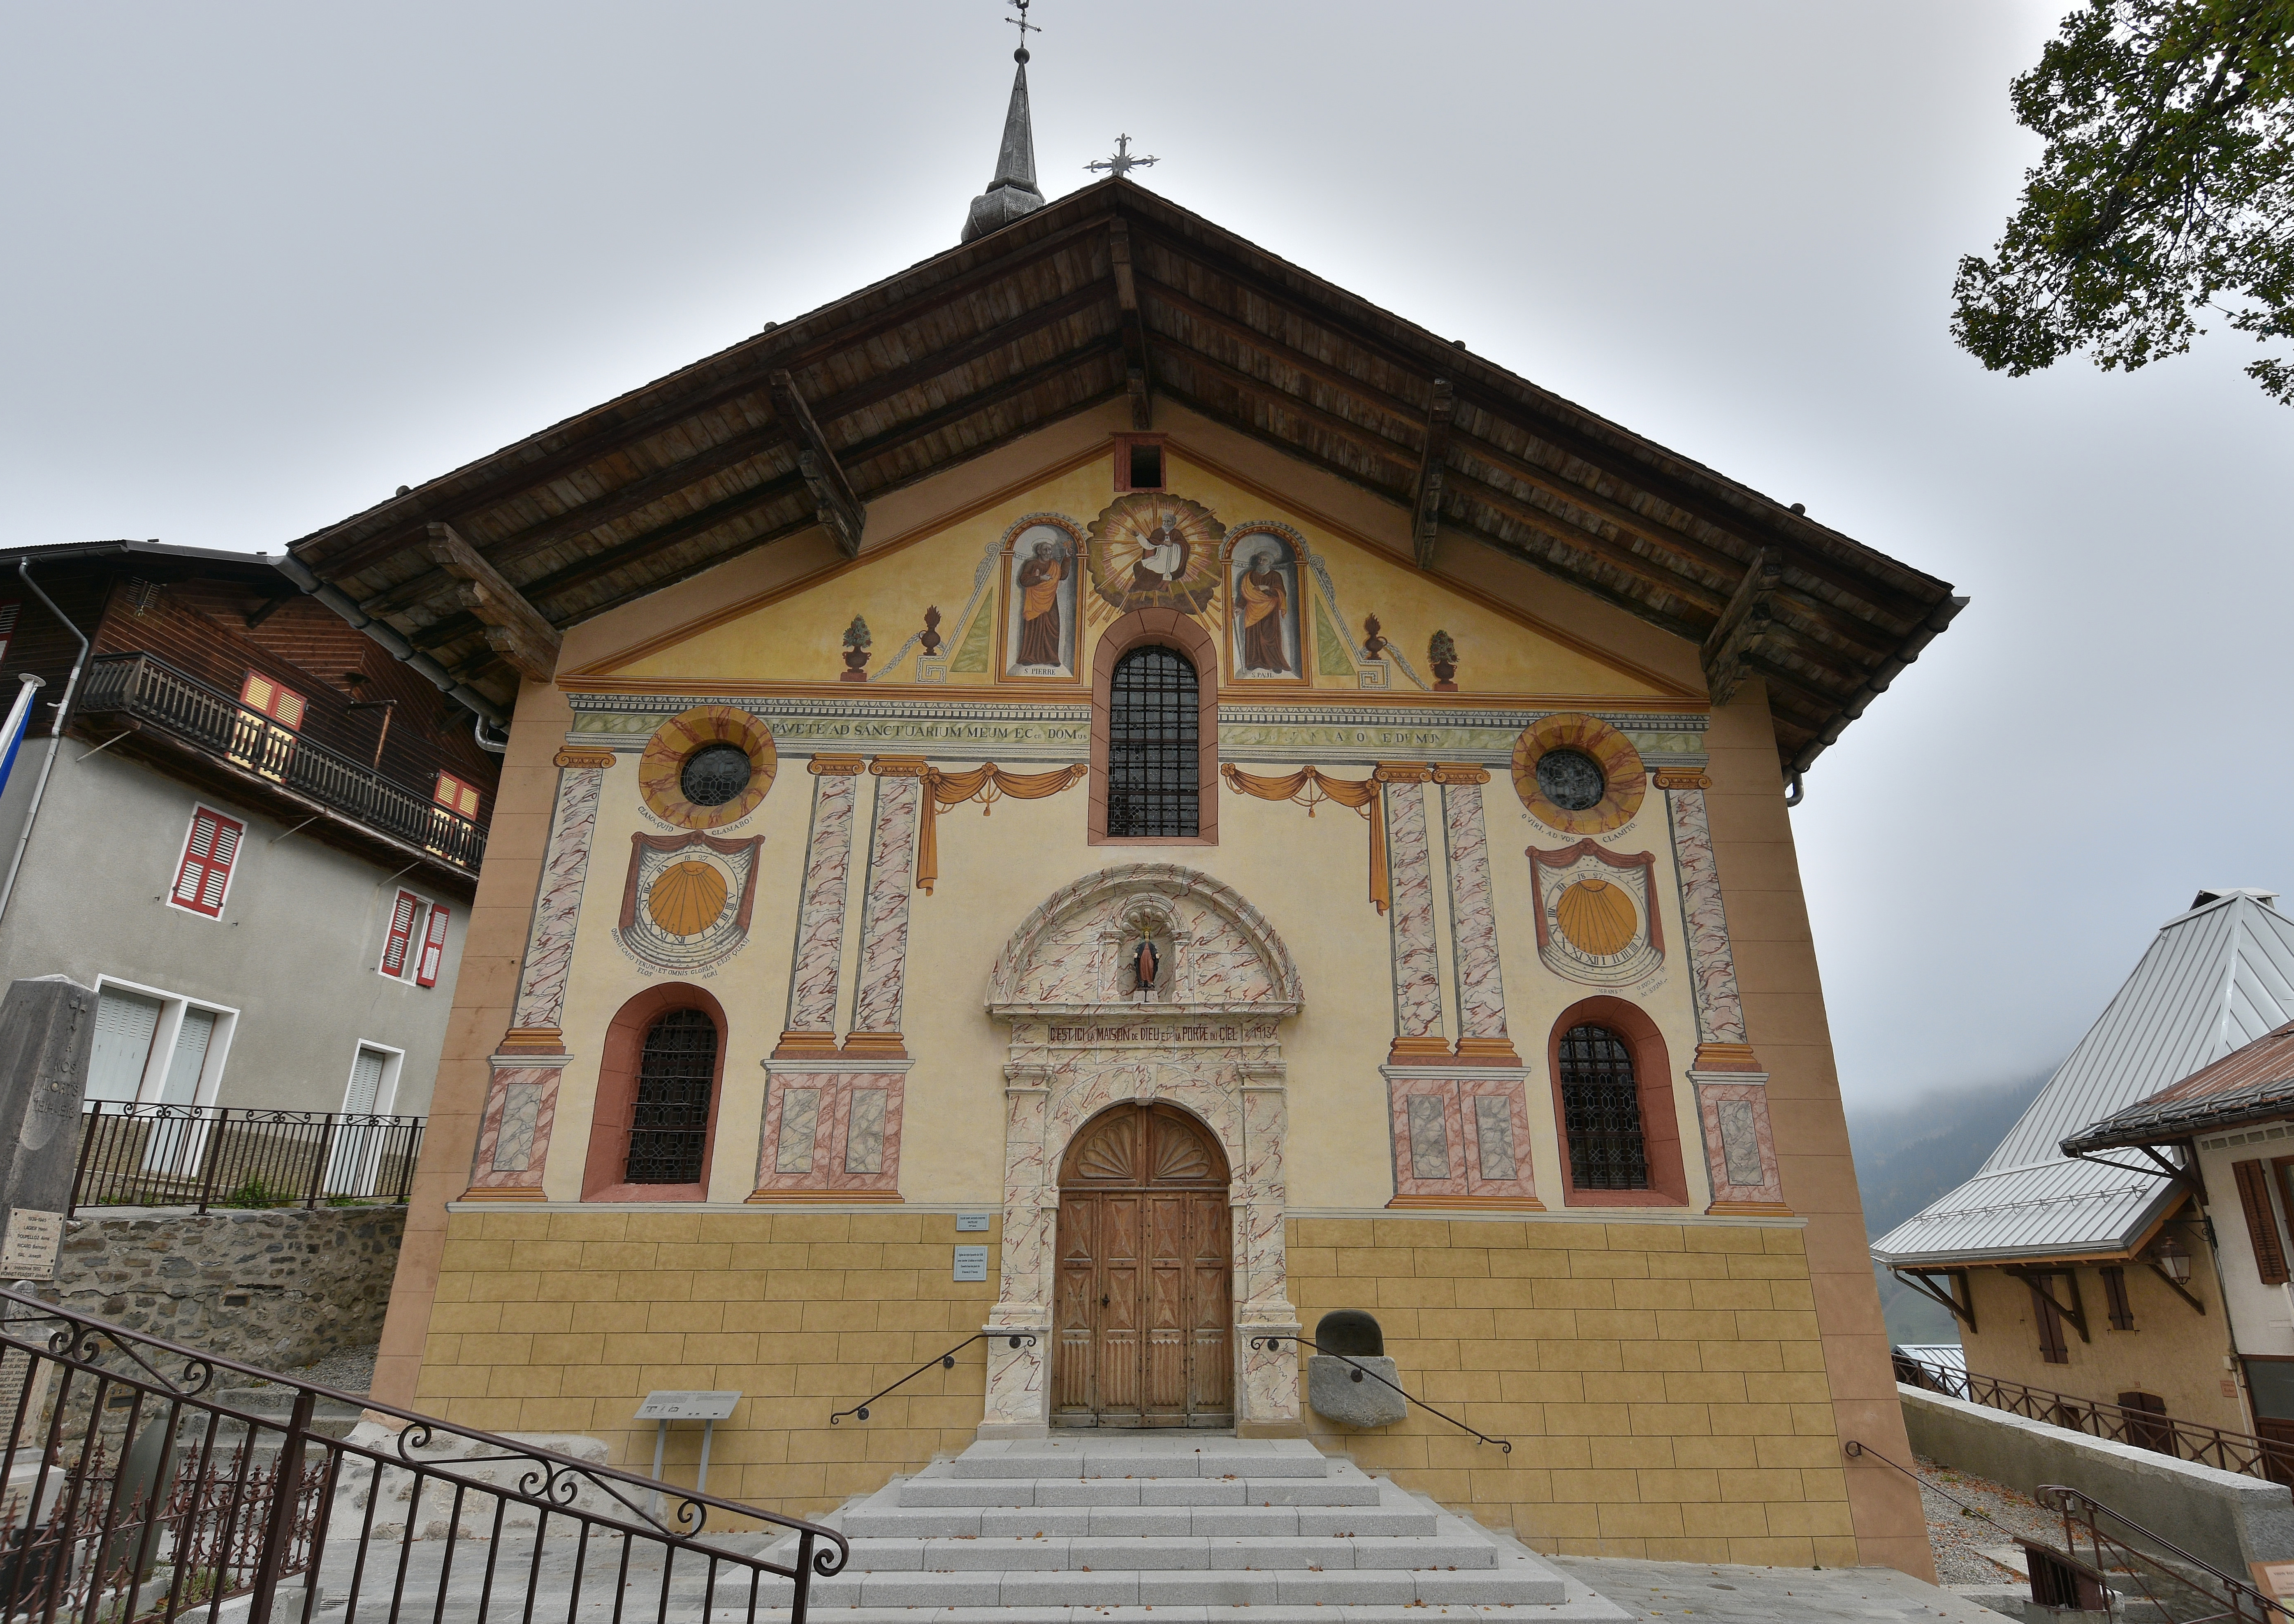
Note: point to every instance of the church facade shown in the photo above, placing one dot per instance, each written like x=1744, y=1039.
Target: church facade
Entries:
x=1131, y=868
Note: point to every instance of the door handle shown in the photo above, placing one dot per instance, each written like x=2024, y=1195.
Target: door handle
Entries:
x=1102, y=1302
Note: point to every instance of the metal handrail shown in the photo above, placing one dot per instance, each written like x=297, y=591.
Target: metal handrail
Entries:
x=2144, y=1429
x=152, y=1155
x=227, y=1502
x=2237, y=1597
x=1271, y=1344
x=146, y=686
x=946, y=1361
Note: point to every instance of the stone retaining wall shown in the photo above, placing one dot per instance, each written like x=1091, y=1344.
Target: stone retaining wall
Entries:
x=277, y=1288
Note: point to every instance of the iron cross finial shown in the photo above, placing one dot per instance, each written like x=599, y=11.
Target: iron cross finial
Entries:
x=1122, y=163
x=1021, y=23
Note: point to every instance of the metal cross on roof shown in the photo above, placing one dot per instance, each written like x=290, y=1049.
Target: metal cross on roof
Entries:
x=1021, y=23
x=1122, y=163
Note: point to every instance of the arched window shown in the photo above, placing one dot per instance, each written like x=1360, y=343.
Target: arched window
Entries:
x=669, y=1128
x=1601, y=1111
x=1154, y=746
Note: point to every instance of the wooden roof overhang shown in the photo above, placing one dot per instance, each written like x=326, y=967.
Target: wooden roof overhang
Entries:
x=1108, y=292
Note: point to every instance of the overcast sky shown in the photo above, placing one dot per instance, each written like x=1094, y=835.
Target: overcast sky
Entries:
x=263, y=265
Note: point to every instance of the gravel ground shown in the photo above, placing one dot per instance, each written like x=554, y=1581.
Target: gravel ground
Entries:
x=345, y=1369
x=1957, y=1535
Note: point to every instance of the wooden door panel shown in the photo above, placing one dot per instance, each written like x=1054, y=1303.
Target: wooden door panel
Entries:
x=1142, y=1310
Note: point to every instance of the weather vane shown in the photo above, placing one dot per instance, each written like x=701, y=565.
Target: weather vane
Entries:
x=1021, y=23
x=1122, y=163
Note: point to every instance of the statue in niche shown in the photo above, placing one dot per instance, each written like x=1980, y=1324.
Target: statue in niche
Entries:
x=1145, y=966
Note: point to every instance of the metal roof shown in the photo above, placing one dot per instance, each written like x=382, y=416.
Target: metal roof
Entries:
x=2214, y=980
x=2249, y=1084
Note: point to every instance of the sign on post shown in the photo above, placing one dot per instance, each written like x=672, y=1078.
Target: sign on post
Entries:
x=665, y=1405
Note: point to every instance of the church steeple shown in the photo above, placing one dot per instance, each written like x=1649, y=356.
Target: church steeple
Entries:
x=1012, y=192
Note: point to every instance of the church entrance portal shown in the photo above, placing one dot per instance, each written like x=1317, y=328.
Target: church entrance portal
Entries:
x=1143, y=1308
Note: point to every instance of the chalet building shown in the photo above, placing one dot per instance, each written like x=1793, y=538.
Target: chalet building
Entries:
x=1105, y=790
x=2081, y=1264
x=2231, y=1127
x=257, y=835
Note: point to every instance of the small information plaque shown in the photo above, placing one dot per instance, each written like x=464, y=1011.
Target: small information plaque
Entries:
x=667, y=1404
x=970, y=1221
x=33, y=1241
x=971, y=1262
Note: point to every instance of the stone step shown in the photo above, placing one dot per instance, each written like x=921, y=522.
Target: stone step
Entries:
x=1442, y=1550
x=1138, y=1521
x=927, y=1489
x=1584, y=1605
x=1516, y=1584
x=1181, y=1455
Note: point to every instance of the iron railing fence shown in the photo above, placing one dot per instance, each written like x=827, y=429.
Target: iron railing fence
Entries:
x=207, y=1156
x=131, y=1493
x=2145, y=1429
x=2110, y=1552
x=151, y=690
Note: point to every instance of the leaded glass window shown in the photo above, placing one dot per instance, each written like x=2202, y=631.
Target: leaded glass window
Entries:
x=1601, y=1111
x=669, y=1131
x=1153, y=746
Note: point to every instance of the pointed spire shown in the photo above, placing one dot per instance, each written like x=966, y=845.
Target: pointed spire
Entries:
x=1012, y=192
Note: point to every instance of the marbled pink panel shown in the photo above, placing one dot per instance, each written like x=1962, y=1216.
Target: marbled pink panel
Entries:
x=884, y=918
x=1067, y=964
x=820, y=917
x=1224, y=967
x=1259, y=1221
x=1514, y=1095
x=1408, y=1180
x=549, y=945
x=1712, y=968
x=1473, y=916
x=1417, y=968
x=1718, y=1103
x=832, y=1132
x=534, y=1135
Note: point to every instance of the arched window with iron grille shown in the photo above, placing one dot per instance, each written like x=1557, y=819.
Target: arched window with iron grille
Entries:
x=1154, y=756
x=669, y=1128
x=1601, y=1111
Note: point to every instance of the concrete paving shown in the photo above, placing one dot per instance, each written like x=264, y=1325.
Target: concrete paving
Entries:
x=1722, y=1595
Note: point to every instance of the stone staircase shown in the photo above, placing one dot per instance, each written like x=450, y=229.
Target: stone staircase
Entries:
x=1089, y=1526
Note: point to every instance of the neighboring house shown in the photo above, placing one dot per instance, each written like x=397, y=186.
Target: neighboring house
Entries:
x=258, y=840
x=2232, y=1125
x=2058, y=1268
x=793, y=1069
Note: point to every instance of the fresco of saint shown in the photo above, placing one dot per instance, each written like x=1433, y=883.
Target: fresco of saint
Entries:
x=1264, y=600
x=1038, y=581
x=1153, y=550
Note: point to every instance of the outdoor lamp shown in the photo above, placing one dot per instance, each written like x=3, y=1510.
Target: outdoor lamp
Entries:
x=2173, y=1262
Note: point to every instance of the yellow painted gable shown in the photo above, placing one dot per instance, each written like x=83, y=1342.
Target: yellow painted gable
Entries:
x=1332, y=583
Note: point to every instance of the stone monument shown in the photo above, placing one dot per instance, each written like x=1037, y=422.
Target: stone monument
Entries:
x=47, y=1037
x=1350, y=1379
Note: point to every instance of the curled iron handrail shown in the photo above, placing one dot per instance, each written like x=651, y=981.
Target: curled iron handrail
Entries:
x=946, y=1361
x=285, y=1499
x=1362, y=1370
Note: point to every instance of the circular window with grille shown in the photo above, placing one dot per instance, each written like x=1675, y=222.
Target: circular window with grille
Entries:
x=1578, y=775
x=707, y=768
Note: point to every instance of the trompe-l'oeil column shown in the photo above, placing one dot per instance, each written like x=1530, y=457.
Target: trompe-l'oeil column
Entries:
x=1732, y=1095
x=521, y=1095
x=1418, y=1038
x=818, y=959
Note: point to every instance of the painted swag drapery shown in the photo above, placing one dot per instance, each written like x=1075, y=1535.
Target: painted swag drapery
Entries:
x=987, y=784
x=1310, y=788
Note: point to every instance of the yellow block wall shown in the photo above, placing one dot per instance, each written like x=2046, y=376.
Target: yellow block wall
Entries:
x=1664, y=1384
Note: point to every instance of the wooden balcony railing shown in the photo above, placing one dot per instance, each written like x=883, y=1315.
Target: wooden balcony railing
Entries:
x=154, y=693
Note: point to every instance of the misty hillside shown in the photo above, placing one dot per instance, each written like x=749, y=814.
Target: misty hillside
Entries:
x=1907, y=1153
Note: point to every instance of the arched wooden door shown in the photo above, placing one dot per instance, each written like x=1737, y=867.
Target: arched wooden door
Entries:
x=1142, y=1307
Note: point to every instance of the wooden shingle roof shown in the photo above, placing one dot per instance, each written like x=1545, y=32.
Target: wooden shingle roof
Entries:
x=1113, y=290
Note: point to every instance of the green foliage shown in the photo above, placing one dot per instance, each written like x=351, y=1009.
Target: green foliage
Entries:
x=856, y=635
x=2166, y=192
x=1442, y=649
x=255, y=1192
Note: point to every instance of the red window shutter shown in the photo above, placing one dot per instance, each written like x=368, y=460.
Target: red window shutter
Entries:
x=2261, y=1223
x=401, y=930
x=434, y=948
x=207, y=856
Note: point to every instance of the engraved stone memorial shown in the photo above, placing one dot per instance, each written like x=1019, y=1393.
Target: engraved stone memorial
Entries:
x=47, y=1035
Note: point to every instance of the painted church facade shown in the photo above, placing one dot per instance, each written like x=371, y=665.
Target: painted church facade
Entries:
x=1106, y=893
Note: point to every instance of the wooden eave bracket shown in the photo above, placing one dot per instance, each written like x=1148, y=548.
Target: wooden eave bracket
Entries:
x=2174, y=1285
x=1426, y=516
x=521, y=634
x=1742, y=625
x=2073, y=1310
x=1138, y=377
x=843, y=514
x=1956, y=1296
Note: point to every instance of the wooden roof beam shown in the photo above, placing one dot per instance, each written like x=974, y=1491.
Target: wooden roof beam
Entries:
x=1616, y=554
x=842, y=513
x=1743, y=624
x=514, y=629
x=1138, y=379
x=1426, y=523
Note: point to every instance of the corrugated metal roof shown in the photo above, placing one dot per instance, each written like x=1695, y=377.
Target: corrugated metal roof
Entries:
x=2255, y=1081
x=2214, y=980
